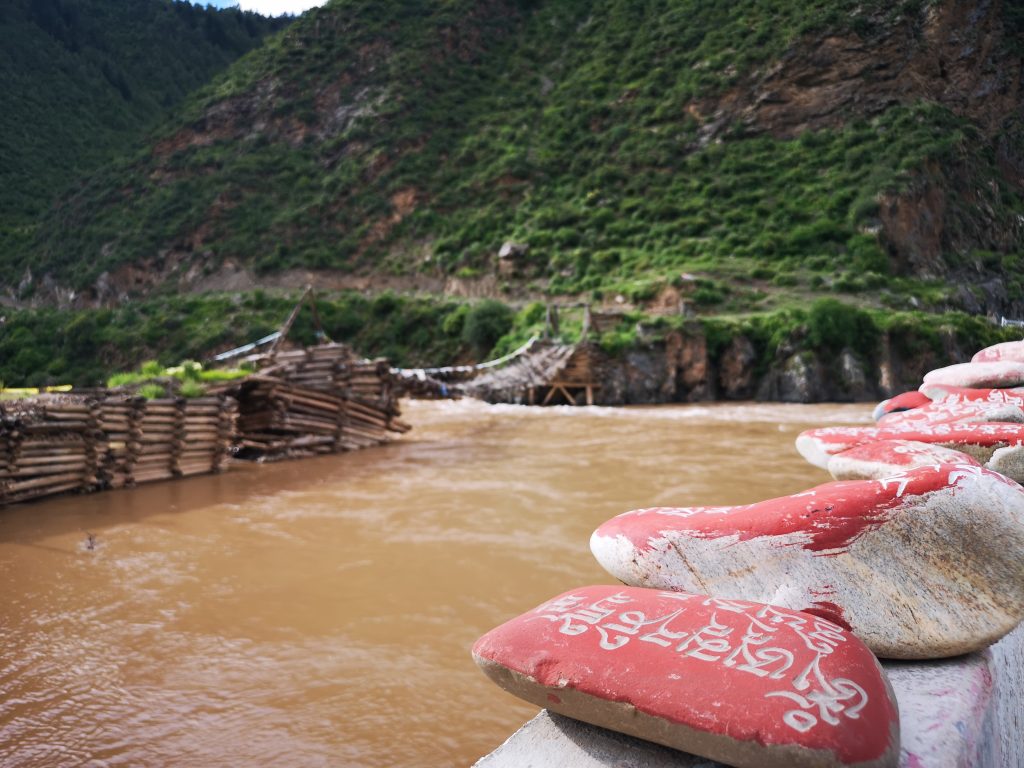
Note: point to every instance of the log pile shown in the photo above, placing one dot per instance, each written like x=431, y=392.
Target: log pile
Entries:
x=160, y=428
x=57, y=443
x=371, y=380
x=326, y=367
x=207, y=434
x=279, y=419
x=333, y=368
x=119, y=421
x=320, y=400
x=48, y=445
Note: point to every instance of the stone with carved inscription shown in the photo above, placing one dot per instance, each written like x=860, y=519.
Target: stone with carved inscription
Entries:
x=750, y=685
x=953, y=410
x=1000, y=373
x=874, y=461
x=1012, y=351
x=927, y=563
x=899, y=403
x=980, y=441
x=946, y=393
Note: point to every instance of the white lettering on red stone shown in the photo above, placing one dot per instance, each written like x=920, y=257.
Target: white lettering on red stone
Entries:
x=738, y=636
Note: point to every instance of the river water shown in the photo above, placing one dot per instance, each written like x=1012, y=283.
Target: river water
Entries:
x=321, y=612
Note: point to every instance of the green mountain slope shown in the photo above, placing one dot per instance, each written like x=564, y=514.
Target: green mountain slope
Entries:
x=82, y=78
x=776, y=149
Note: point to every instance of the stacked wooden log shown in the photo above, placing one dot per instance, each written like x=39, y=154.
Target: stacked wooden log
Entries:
x=278, y=419
x=160, y=434
x=325, y=367
x=50, y=445
x=368, y=422
x=206, y=434
x=371, y=380
x=119, y=421
x=313, y=401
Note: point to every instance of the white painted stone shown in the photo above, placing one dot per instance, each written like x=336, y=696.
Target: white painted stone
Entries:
x=925, y=564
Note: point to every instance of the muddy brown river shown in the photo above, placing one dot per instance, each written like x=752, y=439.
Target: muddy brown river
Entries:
x=321, y=612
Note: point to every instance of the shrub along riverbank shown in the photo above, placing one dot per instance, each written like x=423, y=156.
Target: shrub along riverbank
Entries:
x=83, y=347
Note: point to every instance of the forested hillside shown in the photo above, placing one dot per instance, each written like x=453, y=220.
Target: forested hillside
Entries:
x=772, y=148
x=82, y=80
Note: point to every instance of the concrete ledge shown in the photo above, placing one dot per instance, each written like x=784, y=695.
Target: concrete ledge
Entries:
x=966, y=712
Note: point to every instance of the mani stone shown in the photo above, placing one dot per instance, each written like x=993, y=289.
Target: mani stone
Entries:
x=874, y=461
x=981, y=441
x=1002, y=373
x=949, y=718
x=1012, y=351
x=946, y=393
x=955, y=410
x=900, y=403
x=925, y=564
x=750, y=685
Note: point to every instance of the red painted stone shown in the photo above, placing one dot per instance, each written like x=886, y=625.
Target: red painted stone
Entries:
x=748, y=684
x=979, y=440
x=953, y=409
x=945, y=393
x=1002, y=373
x=1009, y=350
x=926, y=563
x=902, y=402
x=874, y=461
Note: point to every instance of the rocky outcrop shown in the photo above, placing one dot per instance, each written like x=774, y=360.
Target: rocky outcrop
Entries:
x=679, y=368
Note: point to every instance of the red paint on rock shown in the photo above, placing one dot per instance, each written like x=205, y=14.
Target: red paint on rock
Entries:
x=902, y=402
x=1012, y=351
x=1001, y=373
x=945, y=393
x=833, y=440
x=906, y=453
x=752, y=672
x=829, y=611
x=952, y=410
x=828, y=517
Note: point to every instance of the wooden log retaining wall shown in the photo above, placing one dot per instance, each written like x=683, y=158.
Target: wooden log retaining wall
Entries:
x=318, y=401
x=53, y=444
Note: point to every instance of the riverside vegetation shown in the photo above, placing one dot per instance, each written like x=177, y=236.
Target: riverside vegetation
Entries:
x=48, y=346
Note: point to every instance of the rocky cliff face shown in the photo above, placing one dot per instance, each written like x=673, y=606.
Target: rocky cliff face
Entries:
x=679, y=369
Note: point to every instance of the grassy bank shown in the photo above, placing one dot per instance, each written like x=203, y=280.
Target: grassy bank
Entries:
x=84, y=347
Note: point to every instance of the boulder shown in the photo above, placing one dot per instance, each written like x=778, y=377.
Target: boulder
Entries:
x=1012, y=351
x=924, y=564
x=874, y=461
x=980, y=441
x=945, y=709
x=1003, y=373
x=952, y=410
x=750, y=685
x=899, y=403
x=945, y=393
